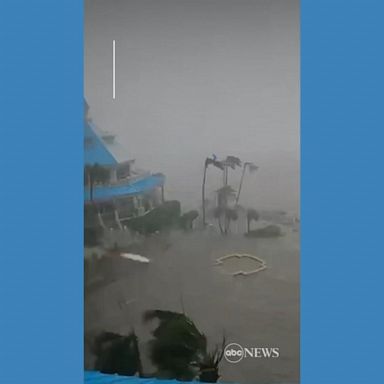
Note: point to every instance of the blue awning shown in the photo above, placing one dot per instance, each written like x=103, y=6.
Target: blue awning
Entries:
x=146, y=184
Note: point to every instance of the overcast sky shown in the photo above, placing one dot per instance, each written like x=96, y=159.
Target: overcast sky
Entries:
x=196, y=77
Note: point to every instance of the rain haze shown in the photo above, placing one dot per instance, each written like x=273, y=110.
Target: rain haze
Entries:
x=196, y=78
x=197, y=82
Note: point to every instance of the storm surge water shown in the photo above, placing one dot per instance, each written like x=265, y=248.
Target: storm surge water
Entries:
x=256, y=310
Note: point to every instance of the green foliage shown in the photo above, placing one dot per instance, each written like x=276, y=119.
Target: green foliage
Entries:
x=223, y=211
x=209, y=365
x=216, y=163
x=179, y=349
x=117, y=354
x=225, y=193
x=177, y=346
x=162, y=217
x=187, y=219
x=232, y=162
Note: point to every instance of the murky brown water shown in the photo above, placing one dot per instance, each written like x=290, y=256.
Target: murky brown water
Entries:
x=260, y=310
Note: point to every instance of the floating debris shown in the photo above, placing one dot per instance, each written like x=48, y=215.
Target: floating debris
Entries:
x=256, y=264
x=134, y=257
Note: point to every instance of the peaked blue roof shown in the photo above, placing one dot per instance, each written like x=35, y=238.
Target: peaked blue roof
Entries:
x=95, y=151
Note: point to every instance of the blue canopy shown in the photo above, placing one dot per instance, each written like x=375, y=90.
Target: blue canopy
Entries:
x=108, y=192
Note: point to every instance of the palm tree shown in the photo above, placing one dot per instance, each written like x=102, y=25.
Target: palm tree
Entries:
x=251, y=168
x=252, y=214
x=177, y=345
x=216, y=163
x=95, y=174
x=224, y=194
x=230, y=162
x=179, y=349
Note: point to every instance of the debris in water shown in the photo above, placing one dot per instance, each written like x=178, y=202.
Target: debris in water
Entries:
x=134, y=257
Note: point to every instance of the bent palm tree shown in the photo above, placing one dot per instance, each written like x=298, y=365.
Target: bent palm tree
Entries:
x=251, y=168
x=216, y=163
x=230, y=162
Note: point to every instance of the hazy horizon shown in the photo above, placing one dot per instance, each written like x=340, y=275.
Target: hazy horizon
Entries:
x=196, y=78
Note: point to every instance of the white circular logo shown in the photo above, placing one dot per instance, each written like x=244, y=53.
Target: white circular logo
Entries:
x=233, y=353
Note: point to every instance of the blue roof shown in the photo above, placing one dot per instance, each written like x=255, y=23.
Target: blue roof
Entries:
x=129, y=189
x=93, y=377
x=95, y=150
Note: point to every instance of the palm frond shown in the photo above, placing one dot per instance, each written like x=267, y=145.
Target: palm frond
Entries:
x=252, y=167
x=214, y=162
x=233, y=162
x=160, y=315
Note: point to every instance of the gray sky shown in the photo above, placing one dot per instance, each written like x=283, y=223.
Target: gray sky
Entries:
x=196, y=77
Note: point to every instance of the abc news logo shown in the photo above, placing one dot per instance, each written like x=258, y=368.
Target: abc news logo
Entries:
x=234, y=353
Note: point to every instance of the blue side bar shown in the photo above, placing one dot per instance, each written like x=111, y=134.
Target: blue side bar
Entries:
x=41, y=226
x=342, y=209
x=108, y=192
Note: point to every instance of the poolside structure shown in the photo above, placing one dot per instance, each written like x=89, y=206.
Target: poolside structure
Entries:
x=123, y=192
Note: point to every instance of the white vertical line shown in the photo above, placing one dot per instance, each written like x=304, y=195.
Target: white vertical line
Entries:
x=113, y=69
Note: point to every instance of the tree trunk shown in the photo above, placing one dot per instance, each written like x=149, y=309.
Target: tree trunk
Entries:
x=90, y=182
x=203, y=193
x=226, y=221
x=220, y=226
x=241, y=183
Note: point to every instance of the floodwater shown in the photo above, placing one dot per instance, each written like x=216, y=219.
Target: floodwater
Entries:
x=259, y=310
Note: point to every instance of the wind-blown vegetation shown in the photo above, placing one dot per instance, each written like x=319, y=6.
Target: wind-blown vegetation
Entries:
x=251, y=168
x=117, y=354
x=217, y=164
x=179, y=349
x=227, y=198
